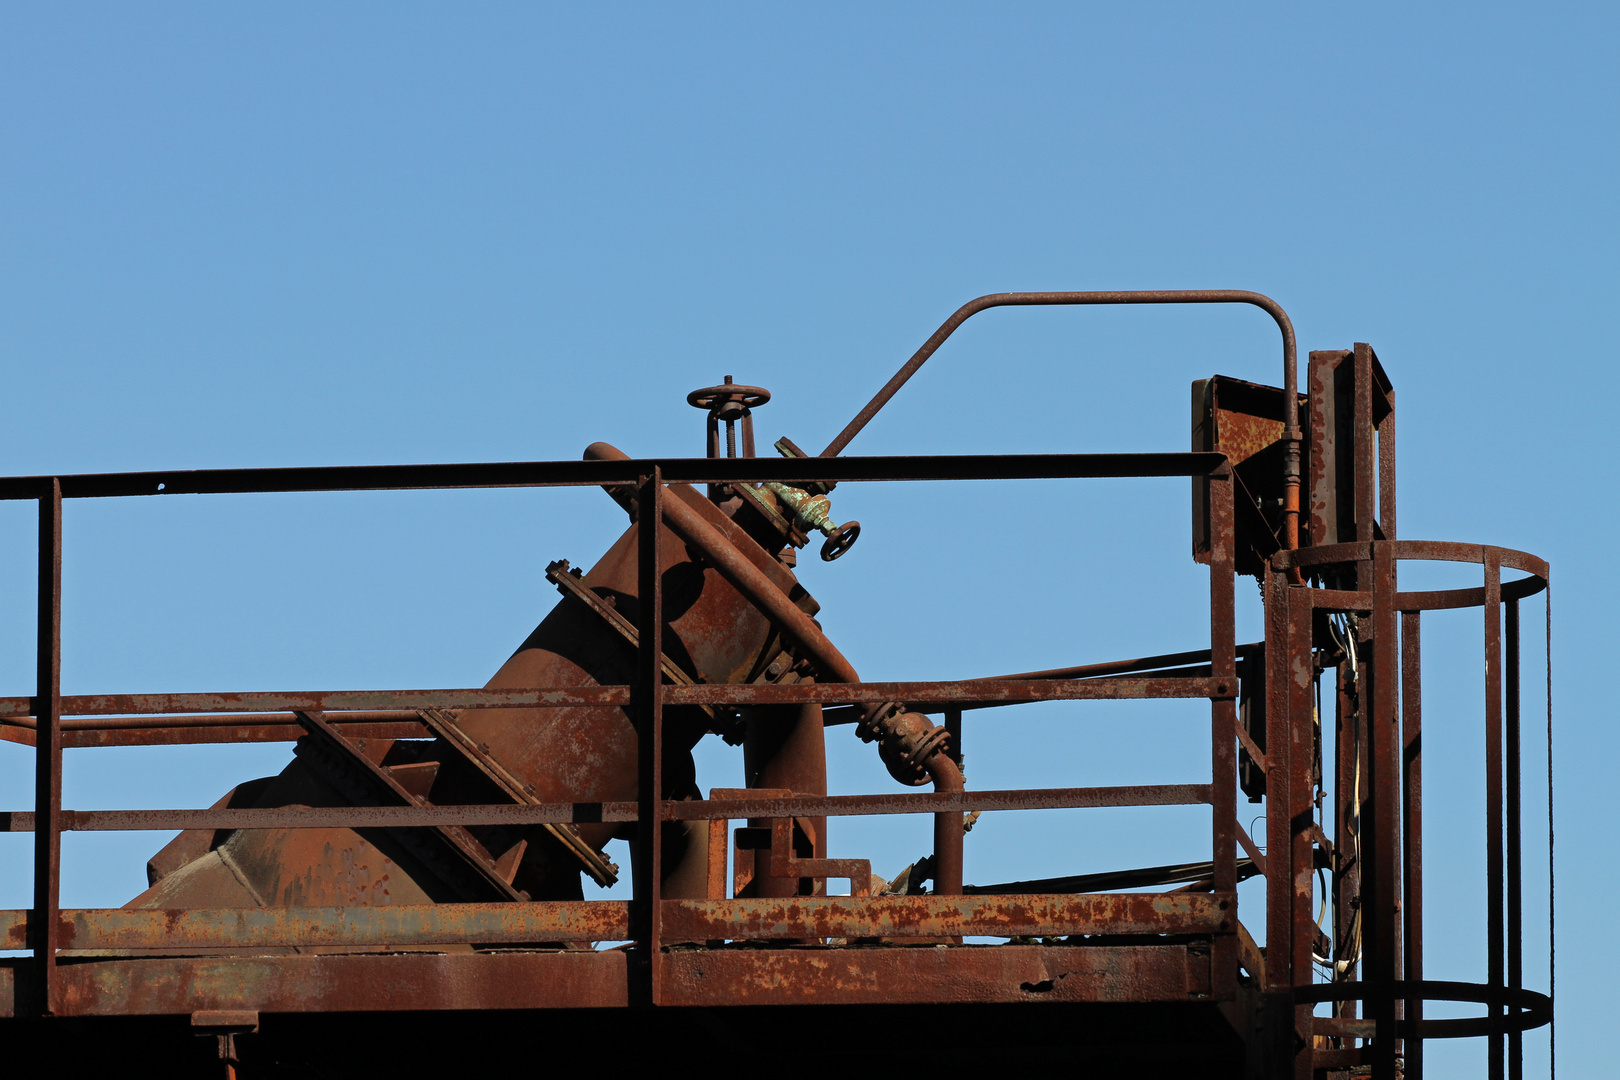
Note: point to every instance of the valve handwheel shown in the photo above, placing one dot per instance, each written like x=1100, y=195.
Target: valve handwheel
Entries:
x=840, y=540
x=727, y=402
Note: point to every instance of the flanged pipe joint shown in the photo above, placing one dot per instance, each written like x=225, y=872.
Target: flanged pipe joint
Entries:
x=907, y=743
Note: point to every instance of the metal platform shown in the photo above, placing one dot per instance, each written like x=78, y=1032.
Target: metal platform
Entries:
x=1125, y=979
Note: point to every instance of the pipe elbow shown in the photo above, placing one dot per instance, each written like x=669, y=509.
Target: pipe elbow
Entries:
x=914, y=750
x=942, y=769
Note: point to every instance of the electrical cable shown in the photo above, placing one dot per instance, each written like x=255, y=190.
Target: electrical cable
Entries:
x=1346, y=638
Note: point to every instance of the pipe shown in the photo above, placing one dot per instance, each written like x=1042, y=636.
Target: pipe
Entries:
x=746, y=578
x=1291, y=432
x=893, y=730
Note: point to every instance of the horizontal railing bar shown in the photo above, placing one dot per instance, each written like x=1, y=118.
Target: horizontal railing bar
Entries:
x=203, y=720
x=1143, y=877
x=388, y=817
x=949, y=693
x=326, y=817
x=188, y=735
x=982, y=690
x=1140, y=664
x=322, y=701
x=948, y=916
x=502, y=474
x=1416, y=551
x=402, y=924
x=929, y=802
x=1439, y=599
x=1340, y=599
x=608, y=920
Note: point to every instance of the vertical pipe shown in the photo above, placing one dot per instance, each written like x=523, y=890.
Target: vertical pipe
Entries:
x=1223, y=724
x=1412, y=834
x=953, y=728
x=1515, y=909
x=786, y=748
x=948, y=853
x=48, y=753
x=950, y=829
x=649, y=712
x=1494, y=929
x=1382, y=901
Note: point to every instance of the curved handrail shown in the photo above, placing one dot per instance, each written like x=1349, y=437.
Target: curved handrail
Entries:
x=1412, y=551
x=1291, y=432
x=1530, y=1010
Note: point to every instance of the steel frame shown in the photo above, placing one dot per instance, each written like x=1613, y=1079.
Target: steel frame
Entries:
x=1195, y=947
x=52, y=983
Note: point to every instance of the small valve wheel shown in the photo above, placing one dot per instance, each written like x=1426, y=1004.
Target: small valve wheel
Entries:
x=728, y=402
x=840, y=540
x=814, y=512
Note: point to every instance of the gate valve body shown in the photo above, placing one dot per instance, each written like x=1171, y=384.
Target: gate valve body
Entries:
x=812, y=512
x=906, y=741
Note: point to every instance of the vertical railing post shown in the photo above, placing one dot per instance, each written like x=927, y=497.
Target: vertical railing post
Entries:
x=1552, y=877
x=1287, y=609
x=1386, y=472
x=1515, y=867
x=1299, y=670
x=648, y=694
x=1412, y=831
x=1223, y=723
x=1380, y=901
x=48, y=754
x=1494, y=929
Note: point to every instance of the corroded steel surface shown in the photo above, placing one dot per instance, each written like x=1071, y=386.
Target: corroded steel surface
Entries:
x=941, y=975
x=391, y=866
x=337, y=983
x=941, y=916
x=398, y=924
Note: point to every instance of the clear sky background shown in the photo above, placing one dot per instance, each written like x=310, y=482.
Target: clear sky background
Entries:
x=373, y=234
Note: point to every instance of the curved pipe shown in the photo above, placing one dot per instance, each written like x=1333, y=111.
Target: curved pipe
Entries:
x=1291, y=432
x=752, y=583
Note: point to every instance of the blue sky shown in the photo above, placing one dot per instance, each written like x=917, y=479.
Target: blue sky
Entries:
x=364, y=234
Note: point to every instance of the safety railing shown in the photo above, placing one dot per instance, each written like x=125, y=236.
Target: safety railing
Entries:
x=54, y=722
x=1390, y=980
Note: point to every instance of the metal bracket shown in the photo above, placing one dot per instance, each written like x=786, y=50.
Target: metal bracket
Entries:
x=455, y=840
x=786, y=525
x=602, y=870
x=569, y=582
x=225, y=1025
x=778, y=840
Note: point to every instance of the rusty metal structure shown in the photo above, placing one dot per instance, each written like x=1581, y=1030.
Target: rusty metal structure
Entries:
x=410, y=889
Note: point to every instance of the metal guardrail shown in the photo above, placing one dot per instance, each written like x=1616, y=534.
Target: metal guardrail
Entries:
x=649, y=920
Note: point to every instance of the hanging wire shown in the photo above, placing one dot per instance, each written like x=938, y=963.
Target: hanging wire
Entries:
x=1344, y=629
x=1316, y=720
